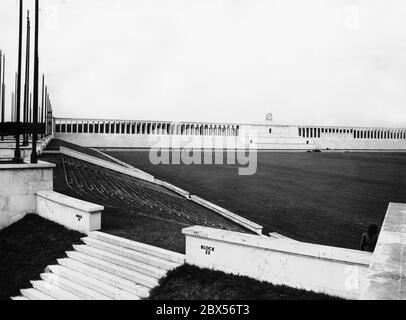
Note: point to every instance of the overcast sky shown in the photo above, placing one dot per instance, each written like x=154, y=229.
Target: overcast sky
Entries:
x=333, y=62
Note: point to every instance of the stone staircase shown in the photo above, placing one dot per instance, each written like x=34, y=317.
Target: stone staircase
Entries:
x=104, y=267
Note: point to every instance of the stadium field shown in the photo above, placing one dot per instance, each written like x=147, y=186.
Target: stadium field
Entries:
x=323, y=198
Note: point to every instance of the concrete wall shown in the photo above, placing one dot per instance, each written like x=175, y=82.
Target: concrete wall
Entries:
x=333, y=271
x=18, y=185
x=72, y=213
x=386, y=279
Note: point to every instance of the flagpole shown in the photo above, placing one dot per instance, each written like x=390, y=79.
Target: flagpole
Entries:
x=17, y=151
x=27, y=78
x=34, y=155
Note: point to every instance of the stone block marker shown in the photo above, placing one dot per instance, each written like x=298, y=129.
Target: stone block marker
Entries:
x=72, y=213
x=386, y=279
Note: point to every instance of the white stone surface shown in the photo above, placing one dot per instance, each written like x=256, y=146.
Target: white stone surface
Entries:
x=333, y=271
x=105, y=289
x=114, y=269
x=73, y=287
x=106, y=277
x=72, y=213
x=130, y=254
x=140, y=247
x=119, y=260
x=18, y=185
x=386, y=279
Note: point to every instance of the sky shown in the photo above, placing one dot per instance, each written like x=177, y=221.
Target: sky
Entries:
x=336, y=62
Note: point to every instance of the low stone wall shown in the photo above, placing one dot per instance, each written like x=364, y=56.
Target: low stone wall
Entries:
x=106, y=164
x=333, y=271
x=72, y=213
x=386, y=279
x=18, y=185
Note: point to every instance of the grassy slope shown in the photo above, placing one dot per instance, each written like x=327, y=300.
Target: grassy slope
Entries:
x=27, y=248
x=324, y=198
x=192, y=283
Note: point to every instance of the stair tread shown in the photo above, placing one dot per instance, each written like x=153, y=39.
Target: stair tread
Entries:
x=106, y=277
x=131, y=254
x=145, y=280
x=34, y=294
x=138, y=246
x=19, y=298
x=73, y=287
x=91, y=283
x=121, y=261
x=53, y=291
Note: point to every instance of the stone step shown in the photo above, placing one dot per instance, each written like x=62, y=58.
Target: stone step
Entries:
x=34, y=294
x=73, y=287
x=137, y=246
x=121, y=261
x=53, y=291
x=114, y=269
x=20, y=298
x=106, y=277
x=131, y=254
x=92, y=283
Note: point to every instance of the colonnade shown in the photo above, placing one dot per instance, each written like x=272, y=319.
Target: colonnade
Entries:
x=142, y=127
x=356, y=133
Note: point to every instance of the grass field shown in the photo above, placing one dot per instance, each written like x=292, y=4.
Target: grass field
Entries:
x=324, y=198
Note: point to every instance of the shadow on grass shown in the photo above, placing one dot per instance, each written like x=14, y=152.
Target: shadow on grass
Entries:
x=27, y=248
x=192, y=283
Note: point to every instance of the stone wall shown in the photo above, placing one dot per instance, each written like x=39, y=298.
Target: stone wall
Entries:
x=18, y=185
x=386, y=279
x=333, y=271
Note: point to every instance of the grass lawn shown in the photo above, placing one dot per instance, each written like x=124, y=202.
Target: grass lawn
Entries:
x=324, y=198
x=27, y=248
x=192, y=283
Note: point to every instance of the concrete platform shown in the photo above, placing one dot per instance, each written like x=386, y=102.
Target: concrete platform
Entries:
x=386, y=279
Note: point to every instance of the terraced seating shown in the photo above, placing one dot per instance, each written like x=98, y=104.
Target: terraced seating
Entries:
x=113, y=189
x=55, y=144
x=105, y=267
